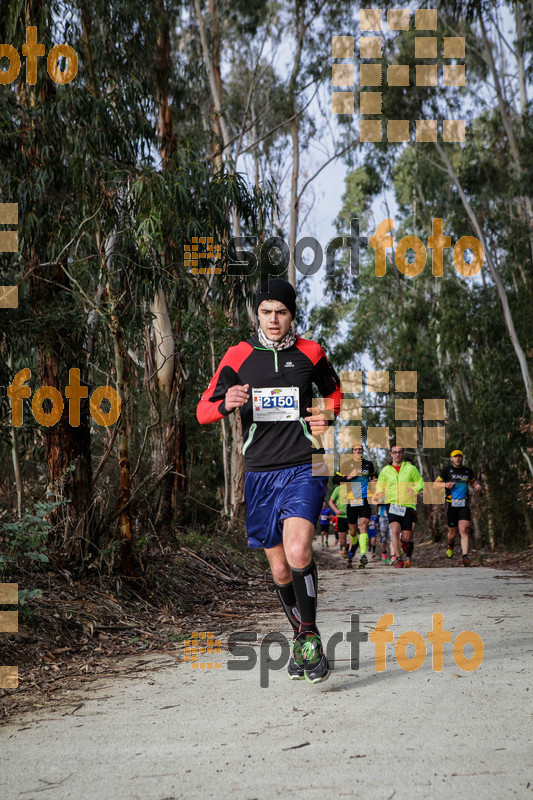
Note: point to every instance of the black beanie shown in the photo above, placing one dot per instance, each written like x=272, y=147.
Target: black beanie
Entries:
x=277, y=289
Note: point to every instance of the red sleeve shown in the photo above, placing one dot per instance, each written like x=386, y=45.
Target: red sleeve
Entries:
x=211, y=407
x=324, y=376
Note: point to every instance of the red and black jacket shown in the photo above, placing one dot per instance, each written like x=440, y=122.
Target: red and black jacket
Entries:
x=273, y=445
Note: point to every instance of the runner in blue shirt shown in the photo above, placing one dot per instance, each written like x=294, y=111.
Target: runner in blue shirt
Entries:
x=355, y=484
x=384, y=531
x=372, y=531
x=456, y=478
x=325, y=514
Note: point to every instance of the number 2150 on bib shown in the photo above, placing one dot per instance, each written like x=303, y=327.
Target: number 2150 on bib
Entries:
x=275, y=404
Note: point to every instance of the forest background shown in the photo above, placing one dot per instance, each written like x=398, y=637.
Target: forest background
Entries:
x=214, y=119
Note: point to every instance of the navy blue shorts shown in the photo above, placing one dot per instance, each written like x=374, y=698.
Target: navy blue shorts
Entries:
x=273, y=496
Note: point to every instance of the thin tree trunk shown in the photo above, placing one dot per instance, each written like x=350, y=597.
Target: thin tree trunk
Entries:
x=294, y=209
x=168, y=397
x=216, y=95
x=212, y=64
x=162, y=364
x=237, y=466
x=65, y=446
x=224, y=436
x=125, y=531
x=125, y=527
x=15, y=455
x=522, y=86
x=515, y=152
x=490, y=516
x=508, y=317
x=520, y=61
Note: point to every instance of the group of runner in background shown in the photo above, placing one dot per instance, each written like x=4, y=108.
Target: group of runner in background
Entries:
x=349, y=509
x=268, y=380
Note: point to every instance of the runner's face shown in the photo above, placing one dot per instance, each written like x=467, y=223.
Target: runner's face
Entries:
x=274, y=319
x=456, y=461
x=397, y=455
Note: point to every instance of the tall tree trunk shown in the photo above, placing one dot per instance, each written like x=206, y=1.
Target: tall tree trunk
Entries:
x=162, y=395
x=125, y=531
x=226, y=465
x=15, y=455
x=490, y=516
x=294, y=126
x=68, y=467
x=124, y=524
x=212, y=64
x=179, y=452
x=502, y=296
x=215, y=85
x=169, y=381
x=513, y=144
x=237, y=466
x=65, y=446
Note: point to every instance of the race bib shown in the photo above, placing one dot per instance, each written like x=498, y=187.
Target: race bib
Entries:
x=458, y=503
x=398, y=510
x=353, y=498
x=276, y=404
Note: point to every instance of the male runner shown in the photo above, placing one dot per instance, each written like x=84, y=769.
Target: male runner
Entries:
x=355, y=484
x=372, y=533
x=456, y=478
x=325, y=514
x=408, y=547
x=399, y=483
x=335, y=523
x=340, y=515
x=384, y=531
x=269, y=379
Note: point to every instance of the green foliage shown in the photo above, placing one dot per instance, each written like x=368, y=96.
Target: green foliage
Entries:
x=28, y=540
x=451, y=330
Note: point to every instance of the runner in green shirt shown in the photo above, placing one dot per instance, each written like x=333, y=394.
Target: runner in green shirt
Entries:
x=342, y=516
x=398, y=485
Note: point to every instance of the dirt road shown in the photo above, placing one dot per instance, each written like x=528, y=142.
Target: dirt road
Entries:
x=169, y=731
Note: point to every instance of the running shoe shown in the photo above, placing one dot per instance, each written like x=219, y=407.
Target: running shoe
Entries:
x=373, y=555
x=407, y=562
x=349, y=564
x=466, y=560
x=449, y=551
x=316, y=667
x=363, y=561
x=399, y=563
x=384, y=557
x=392, y=561
x=296, y=661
